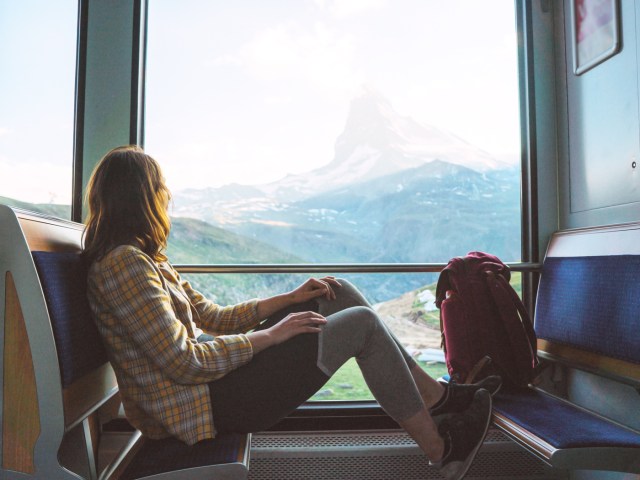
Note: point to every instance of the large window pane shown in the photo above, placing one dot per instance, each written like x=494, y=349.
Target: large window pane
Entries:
x=37, y=60
x=336, y=131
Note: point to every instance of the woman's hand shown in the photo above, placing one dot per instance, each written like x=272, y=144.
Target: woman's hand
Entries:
x=295, y=324
x=313, y=288
x=290, y=326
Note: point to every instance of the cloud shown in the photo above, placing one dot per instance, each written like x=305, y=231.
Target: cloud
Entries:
x=277, y=100
x=225, y=60
x=319, y=56
x=272, y=52
x=348, y=8
x=4, y=131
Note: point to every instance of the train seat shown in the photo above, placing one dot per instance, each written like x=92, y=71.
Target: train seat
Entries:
x=587, y=318
x=56, y=374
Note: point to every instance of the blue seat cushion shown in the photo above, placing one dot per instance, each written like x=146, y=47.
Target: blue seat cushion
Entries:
x=170, y=454
x=561, y=424
x=63, y=277
x=592, y=303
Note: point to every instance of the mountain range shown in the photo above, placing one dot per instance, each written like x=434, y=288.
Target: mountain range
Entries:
x=376, y=141
x=395, y=191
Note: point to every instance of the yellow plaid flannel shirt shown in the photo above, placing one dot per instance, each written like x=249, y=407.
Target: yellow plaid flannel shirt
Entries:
x=149, y=319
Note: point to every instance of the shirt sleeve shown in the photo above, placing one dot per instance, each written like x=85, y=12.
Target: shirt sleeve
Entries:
x=133, y=289
x=238, y=318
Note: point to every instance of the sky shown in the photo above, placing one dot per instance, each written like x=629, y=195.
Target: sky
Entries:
x=37, y=70
x=249, y=91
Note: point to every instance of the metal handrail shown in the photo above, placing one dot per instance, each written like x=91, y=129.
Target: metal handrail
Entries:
x=336, y=268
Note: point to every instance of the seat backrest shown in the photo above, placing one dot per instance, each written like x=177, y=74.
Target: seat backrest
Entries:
x=588, y=304
x=55, y=369
x=63, y=277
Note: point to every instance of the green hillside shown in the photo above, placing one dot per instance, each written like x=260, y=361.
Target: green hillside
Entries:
x=195, y=242
x=55, y=210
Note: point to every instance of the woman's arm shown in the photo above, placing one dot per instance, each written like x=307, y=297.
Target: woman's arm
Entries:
x=309, y=290
x=141, y=319
x=219, y=319
x=295, y=323
x=290, y=326
x=245, y=316
x=303, y=322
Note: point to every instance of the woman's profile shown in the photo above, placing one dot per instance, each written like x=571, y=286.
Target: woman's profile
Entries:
x=190, y=368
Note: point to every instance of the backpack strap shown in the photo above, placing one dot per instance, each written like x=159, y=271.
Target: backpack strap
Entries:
x=442, y=288
x=510, y=307
x=477, y=368
x=444, y=282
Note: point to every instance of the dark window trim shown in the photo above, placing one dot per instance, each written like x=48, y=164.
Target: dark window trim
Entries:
x=529, y=182
x=138, y=68
x=80, y=93
x=137, y=98
x=336, y=415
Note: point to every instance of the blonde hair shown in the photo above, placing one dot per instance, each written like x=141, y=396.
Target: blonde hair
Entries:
x=127, y=201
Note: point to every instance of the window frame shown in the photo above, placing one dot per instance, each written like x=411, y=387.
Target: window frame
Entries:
x=322, y=414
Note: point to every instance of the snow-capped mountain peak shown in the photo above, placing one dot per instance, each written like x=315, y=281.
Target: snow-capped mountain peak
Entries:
x=378, y=141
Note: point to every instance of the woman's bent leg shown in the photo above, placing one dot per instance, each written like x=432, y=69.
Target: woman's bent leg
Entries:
x=349, y=296
x=358, y=331
x=280, y=378
x=275, y=382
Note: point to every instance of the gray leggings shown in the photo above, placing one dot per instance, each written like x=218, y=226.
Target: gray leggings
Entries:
x=280, y=378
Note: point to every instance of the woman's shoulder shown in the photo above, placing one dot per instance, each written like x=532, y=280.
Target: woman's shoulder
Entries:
x=124, y=251
x=123, y=255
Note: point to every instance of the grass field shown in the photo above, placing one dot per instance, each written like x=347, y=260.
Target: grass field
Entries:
x=348, y=383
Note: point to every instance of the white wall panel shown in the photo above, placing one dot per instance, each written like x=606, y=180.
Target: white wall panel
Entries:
x=604, y=125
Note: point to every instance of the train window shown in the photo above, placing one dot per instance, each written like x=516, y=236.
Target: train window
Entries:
x=37, y=58
x=337, y=131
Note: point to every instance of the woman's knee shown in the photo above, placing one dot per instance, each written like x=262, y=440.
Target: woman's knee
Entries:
x=345, y=335
x=347, y=296
x=357, y=319
x=349, y=290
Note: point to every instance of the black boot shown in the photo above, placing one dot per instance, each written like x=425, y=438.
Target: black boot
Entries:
x=457, y=397
x=463, y=434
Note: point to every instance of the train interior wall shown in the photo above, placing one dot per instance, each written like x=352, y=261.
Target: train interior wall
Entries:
x=594, y=135
x=584, y=133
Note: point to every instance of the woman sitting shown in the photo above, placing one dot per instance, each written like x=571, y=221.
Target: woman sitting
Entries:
x=189, y=368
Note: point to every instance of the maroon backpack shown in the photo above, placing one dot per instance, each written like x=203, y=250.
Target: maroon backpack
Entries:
x=485, y=327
